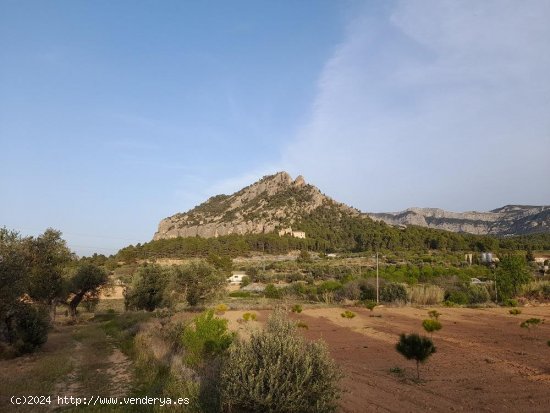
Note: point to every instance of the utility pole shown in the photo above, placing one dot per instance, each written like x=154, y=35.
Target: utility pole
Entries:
x=377, y=282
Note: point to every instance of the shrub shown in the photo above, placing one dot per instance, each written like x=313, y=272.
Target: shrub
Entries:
x=531, y=322
x=370, y=305
x=515, y=311
x=277, y=370
x=458, y=297
x=347, y=314
x=477, y=294
x=434, y=314
x=414, y=347
x=271, y=291
x=205, y=336
x=249, y=316
x=220, y=309
x=431, y=325
x=393, y=292
x=510, y=302
x=240, y=294
x=147, y=291
x=297, y=308
x=29, y=328
x=537, y=290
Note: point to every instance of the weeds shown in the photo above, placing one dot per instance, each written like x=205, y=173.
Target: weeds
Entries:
x=348, y=314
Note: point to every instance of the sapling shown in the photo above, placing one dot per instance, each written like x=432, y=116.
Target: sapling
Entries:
x=431, y=325
x=370, y=305
x=415, y=347
x=531, y=323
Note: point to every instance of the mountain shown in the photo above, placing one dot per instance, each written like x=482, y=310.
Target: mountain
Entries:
x=273, y=203
x=508, y=220
x=277, y=202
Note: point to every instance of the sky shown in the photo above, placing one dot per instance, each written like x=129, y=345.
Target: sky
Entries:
x=114, y=115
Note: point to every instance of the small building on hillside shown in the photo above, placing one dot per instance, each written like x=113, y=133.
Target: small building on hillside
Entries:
x=236, y=277
x=295, y=234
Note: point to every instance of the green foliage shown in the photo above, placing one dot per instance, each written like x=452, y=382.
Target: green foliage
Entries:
x=536, y=290
x=206, y=337
x=393, y=292
x=510, y=302
x=477, y=294
x=147, y=291
x=279, y=371
x=85, y=283
x=531, y=322
x=240, y=294
x=197, y=281
x=431, y=325
x=370, y=305
x=514, y=311
x=26, y=327
x=271, y=291
x=348, y=314
x=48, y=256
x=414, y=347
x=458, y=297
x=220, y=309
x=223, y=262
x=304, y=256
x=434, y=314
x=511, y=274
x=297, y=308
x=249, y=316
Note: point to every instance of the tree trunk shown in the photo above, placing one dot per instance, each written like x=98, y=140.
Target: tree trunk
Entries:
x=73, y=304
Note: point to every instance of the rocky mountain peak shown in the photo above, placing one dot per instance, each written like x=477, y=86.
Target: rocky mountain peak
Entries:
x=273, y=202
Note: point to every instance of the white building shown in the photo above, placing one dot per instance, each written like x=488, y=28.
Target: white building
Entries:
x=236, y=277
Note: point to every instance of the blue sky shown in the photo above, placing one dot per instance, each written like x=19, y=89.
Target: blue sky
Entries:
x=114, y=115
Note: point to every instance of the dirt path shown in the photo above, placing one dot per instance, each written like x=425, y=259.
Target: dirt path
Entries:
x=78, y=361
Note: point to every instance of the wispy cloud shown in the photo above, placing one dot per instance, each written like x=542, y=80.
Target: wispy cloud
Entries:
x=434, y=103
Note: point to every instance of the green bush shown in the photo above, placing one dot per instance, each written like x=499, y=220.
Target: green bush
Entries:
x=510, y=302
x=458, y=297
x=431, y=325
x=249, y=316
x=29, y=329
x=347, y=314
x=271, y=291
x=206, y=336
x=279, y=371
x=515, y=311
x=478, y=294
x=147, y=291
x=240, y=294
x=301, y=324
x=297, y=308
x=393, y=292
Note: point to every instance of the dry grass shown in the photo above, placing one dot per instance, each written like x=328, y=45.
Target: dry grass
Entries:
x=425, y=294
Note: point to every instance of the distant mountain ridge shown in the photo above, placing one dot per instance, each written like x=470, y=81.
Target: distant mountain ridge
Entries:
x=277, y=202
x=507, y=220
